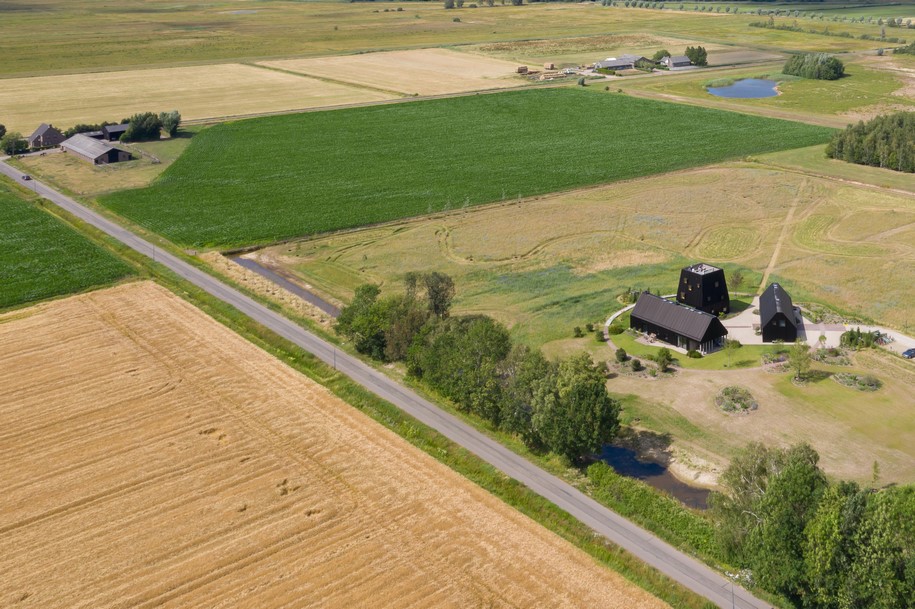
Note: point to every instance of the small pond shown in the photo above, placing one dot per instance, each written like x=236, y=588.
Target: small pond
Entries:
x=748, y=88
x=626, y=463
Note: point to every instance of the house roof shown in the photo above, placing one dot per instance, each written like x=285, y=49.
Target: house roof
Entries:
x=773, y=301
x=679, y=59
x=614, y=64
x=701, y=268
x=685, y=321
x=87, y=146
x=632, y=58
x=42, y=129
x=116, y=128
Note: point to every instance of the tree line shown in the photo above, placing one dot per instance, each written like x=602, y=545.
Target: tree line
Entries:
x=817, y=66
x=561, y=407
x=821, y=544
x=885, y=141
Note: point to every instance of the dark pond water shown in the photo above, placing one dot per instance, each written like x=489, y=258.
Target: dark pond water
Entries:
x=626, y=463
x=748, y=88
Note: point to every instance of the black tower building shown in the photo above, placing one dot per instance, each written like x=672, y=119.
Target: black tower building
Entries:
x=702, y=286
x=776, y=315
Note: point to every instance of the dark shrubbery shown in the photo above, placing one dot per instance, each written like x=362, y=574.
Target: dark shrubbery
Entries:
x=561, y=407
x=697, y=55
x=885, y=141
x=818, y=66
x=143, y=126
x=858, y=339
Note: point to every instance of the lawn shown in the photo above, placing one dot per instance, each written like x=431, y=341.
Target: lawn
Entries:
x=274, y=178
x=41, y=257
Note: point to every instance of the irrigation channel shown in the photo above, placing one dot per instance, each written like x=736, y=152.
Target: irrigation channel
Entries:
x=623, y=460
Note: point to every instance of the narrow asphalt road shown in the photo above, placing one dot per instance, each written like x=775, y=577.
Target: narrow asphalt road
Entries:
x=678, y=566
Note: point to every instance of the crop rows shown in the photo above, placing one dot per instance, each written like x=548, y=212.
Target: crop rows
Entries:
x=267, y=179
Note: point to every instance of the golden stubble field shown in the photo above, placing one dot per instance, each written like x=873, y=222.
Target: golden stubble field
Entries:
x=152, y=458
x=209, y=91
x=422, y=71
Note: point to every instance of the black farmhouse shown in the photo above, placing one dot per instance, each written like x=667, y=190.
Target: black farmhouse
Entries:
x=702, y=286
x=776, y=315
x=679, y=325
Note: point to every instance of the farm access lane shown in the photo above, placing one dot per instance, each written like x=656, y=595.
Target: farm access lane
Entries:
x=678, y=566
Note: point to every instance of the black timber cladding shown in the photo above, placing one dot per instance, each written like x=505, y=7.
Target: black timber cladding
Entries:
x=776, y=315
x=669, y=321
x=703, y=287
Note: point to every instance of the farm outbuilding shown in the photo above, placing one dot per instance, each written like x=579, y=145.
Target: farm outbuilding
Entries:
x=46, y=136
x=677, y=61
x=703, y=287
x=777, y=319
x=95, y=151
x=113, y=133
x=677, y=324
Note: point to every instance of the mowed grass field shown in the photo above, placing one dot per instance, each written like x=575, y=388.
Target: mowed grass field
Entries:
x=274, y=178
x=174, y=464
x=86, y=35
x=41, y=257
x=197, y=92
x=544, y=266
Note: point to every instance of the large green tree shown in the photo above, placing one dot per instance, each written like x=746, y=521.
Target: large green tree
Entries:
x=521, y=372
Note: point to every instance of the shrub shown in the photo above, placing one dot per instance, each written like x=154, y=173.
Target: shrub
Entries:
x=818, y=66
x=456, y=20
x=861, y=382
x=735, y=399
x=589, y=327
x=621, y=355
x=615, y=329
x=576, y=332
x=664, y=358
x=858, y=339
x=599, y=335
x=693, y=354
x=636, y=365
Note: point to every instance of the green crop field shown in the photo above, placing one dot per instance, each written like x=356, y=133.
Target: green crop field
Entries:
x=41, y=257
x=268, y=179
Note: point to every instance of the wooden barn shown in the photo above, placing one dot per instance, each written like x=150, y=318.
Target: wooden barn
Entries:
x=113, y=133
x=777, y=320
x=95, y=151
x=702, y=286
x=676, y=324
x=46, y=136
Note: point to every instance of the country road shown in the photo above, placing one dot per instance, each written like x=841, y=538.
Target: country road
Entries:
x=665, y=558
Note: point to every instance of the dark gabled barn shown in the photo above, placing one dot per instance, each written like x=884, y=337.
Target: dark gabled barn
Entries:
x=679, y=325
x=113, y=133
x=702, y=286
x=776, y=315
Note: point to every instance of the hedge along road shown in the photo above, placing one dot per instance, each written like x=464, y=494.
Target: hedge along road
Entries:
x=665, y=558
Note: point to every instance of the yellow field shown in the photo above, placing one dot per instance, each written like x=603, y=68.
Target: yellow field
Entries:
x=173, y=464
x=197, y=92
x=423, y=71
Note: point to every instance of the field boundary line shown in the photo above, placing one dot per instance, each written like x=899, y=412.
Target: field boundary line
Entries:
x=333, y=81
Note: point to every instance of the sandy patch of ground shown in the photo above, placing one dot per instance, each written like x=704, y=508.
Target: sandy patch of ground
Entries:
x=197, y=92
x=152, y=458
x=423, y=71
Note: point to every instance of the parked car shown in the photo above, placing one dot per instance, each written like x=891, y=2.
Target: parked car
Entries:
x=26, y=177
x=909, y=353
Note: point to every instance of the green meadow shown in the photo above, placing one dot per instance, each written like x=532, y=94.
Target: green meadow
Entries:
x=269, y=179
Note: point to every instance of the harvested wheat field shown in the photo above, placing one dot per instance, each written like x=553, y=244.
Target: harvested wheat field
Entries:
x=422, y=71
x=211, y=91
x=173, y=464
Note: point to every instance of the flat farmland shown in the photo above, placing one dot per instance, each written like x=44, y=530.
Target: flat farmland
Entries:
x=422, y=71
x=41, y=257
x=546, y=265
x=197, y=92
x=174, y=464
x=367, y=165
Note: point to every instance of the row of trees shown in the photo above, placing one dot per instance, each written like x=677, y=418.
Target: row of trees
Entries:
x=885, y=141
x=818, y=66
x=697, y=55
x=561, y=407
x=823, y=545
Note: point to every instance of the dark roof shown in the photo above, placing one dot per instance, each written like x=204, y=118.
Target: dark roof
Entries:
x=701, y=268
x=614, y=64
x=685, y=321
x=42, y=129
x=679, y=59
x=773, y=301
x=116, y=128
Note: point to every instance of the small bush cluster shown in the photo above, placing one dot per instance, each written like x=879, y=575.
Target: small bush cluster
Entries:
x=735, y=399
x=858, y=339
x=817, y=66
x=861, y=382
x=833, y=356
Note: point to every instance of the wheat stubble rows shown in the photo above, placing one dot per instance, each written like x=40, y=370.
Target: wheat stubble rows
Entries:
x=152, y=458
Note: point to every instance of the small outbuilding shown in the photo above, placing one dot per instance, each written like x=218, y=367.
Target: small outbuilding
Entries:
x=702, y=286
x=677, y=324
x=46, y=136
x=95, y=151
x=677, y=61
x=777, y=319
x=113, y=133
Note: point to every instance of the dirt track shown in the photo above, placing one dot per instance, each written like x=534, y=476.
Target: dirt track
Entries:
x=153, y=458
